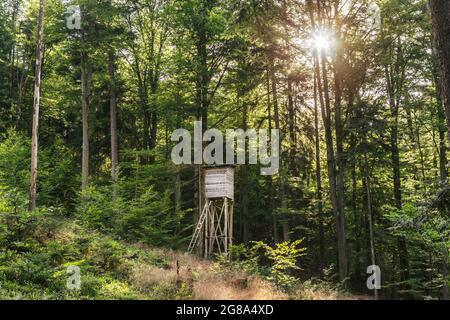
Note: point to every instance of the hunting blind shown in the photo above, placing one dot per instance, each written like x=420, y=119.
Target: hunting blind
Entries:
x=214, y=229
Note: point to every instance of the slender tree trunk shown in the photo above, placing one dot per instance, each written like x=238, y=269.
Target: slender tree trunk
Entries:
x=440, y=21
x=202, y=85
x=357, y=227
x=12, y=53
x=20, y=89
x=276, y=115
x=331, y=165
x=321, y=263
x=324, y=98
x=245, y=187
x=392, y=91
x=444, y=269
x=269, y=117
x=178, y=180
x=401, y=241
x=37, y=92
x=85, y=97
x=154, y=89
x=370, y=214
x=442, y=146
x=202, y=72
x=340, y=188
x=292, y=165
x=292, y=135
x=421, y=155
x=244, y=228
x=143, y=102
x=113, y=114
x=442, y=130
x=276, y=119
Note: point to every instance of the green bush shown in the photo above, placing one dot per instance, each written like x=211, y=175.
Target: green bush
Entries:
x=96, y=209
x=283, y=257
x=277, y=263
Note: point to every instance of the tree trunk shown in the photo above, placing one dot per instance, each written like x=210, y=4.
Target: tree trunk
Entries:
x=113, y=114
x=202, y=84
x=85, y=96
x=443, y=174
x=442, y=127
x=445, y=293
x=393, y=90
x=155, y=75
x=442, y=144
x=292, y=128
x=324, y=98
x=178, y=180
x=331, y=165
x=202, y=72
x=142, y=92
x=276, y=119
x=245, y=188
x=440, y=21
x=369, y=214
x=321, y=262
x=37, y=92
x=358, y=272
x=340, y=220
x=270, y=181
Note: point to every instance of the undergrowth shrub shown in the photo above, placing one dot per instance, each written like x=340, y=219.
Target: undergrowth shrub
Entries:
x=277, y=264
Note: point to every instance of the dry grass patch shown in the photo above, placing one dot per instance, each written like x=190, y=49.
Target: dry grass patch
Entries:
x=205, y=281
x=146, y=277
x=202, y=279
x=319, y=291
x=218, y=288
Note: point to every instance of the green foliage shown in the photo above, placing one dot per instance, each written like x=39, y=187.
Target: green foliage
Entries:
x=14, y=163
x=148, y=219
x=283, y=257
x=234, y=64
x=442, y=200
x=427, y=233
x=96, y=209
x=278, y=263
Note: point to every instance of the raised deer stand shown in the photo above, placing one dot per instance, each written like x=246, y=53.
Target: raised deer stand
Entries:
x=216, y=220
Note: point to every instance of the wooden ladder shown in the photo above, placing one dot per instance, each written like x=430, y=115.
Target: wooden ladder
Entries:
x=198, y=229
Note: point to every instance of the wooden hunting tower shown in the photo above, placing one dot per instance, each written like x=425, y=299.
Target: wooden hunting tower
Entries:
x=214, y=230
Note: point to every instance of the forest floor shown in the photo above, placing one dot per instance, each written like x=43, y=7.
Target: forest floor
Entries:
x=201, y=279
x=36, y=268
x=208, y=280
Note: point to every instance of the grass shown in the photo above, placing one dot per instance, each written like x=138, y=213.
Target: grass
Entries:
x=112, y=269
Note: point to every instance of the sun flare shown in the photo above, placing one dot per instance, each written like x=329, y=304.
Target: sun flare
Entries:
x=322, y=41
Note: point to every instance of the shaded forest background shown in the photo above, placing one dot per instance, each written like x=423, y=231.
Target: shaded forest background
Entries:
x=364, y=162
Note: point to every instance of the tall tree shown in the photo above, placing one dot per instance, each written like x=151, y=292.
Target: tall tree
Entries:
x=37, y=95
x=322, y=70
x=113, y=113
x=86, y=75
x=148, y=26
x=440, y=17
x=321, y=260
